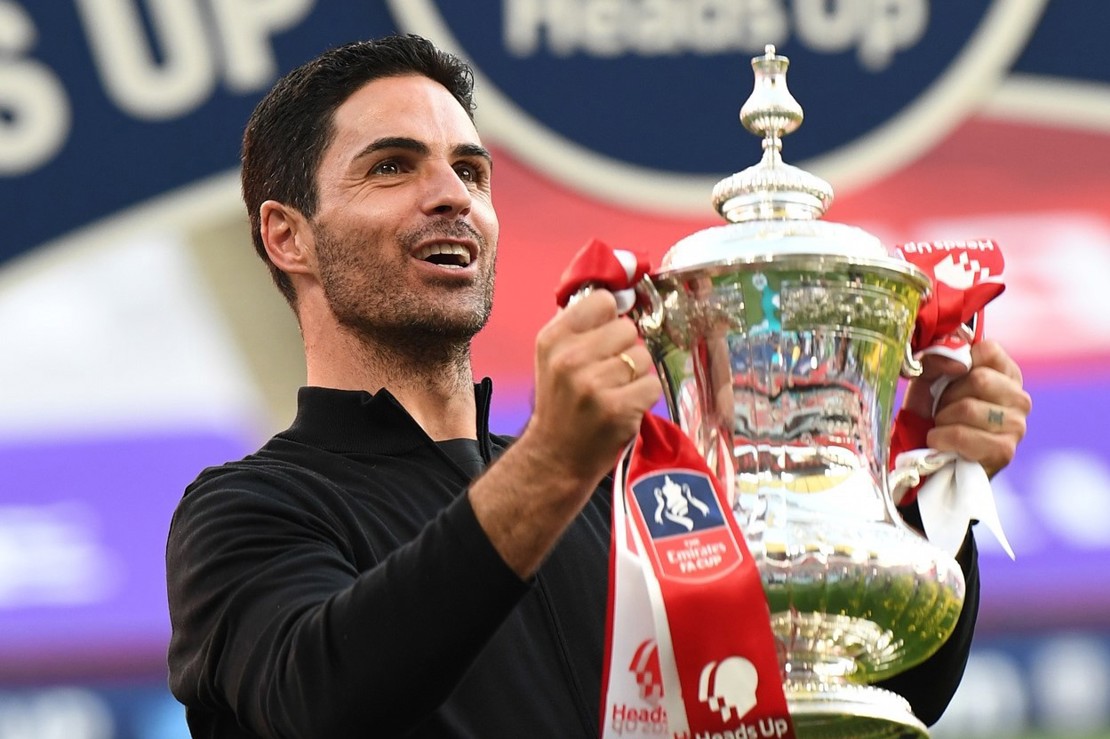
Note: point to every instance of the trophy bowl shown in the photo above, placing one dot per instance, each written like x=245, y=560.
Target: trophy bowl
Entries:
x=780, y=339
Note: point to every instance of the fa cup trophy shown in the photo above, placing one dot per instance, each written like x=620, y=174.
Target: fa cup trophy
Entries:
x=780, y=339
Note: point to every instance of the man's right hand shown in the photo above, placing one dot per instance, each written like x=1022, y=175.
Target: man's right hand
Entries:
x=589, y=404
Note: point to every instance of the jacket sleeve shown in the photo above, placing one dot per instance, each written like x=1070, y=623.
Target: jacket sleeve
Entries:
x=273, y=623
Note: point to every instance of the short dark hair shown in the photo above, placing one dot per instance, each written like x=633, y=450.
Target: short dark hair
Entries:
x=291, y=127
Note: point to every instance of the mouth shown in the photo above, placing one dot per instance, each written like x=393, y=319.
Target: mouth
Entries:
x=449, y=254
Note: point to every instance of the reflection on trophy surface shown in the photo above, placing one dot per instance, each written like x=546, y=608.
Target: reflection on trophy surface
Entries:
x=780, y=339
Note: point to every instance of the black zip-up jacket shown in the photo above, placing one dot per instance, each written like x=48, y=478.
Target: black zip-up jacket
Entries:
x=337, y=584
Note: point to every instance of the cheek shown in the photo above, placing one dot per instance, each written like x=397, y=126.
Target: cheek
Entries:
x=485, y=220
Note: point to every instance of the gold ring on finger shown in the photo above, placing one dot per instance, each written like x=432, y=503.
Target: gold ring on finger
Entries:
x=632, y=371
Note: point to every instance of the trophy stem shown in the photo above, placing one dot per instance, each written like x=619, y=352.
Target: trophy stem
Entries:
x=823, y=679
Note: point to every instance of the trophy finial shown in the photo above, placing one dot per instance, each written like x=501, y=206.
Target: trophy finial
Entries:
x=771, y=190
x=771, y=111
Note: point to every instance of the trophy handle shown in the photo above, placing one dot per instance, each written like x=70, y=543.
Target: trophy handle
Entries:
x=648, y=310
x=910, y=366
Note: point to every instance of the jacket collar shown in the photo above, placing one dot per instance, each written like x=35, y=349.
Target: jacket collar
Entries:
x=355, y=421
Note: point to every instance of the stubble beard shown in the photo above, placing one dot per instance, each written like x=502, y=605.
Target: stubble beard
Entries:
x=385, y=317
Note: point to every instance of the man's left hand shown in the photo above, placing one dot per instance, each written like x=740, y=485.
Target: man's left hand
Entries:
x=982, y=413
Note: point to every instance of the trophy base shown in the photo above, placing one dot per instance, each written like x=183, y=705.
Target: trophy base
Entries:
x=844, y=711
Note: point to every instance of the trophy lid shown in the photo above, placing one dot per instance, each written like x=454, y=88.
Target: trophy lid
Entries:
x=772, y=207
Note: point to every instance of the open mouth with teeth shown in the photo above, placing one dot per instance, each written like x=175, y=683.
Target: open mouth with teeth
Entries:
x=445, y=255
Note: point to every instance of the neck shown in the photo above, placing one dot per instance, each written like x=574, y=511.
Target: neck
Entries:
x=432, y=380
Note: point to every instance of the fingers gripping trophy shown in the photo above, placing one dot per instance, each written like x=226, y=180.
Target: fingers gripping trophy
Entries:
x=780, y=339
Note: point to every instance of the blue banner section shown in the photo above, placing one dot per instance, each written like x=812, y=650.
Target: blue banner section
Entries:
x=107, y=103
x=688, y=69
x=111, y=106
x=1060, y=47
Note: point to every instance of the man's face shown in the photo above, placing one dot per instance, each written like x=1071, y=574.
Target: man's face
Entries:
x=405, y=231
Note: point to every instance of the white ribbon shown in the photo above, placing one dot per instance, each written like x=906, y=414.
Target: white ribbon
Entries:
x=955, y=494
x=638, y=616
x=626, y=299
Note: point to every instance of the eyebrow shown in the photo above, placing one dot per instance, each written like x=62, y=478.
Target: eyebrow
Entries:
x=419, y=147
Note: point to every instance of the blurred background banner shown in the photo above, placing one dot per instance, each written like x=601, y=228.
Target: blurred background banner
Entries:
x=141, y=340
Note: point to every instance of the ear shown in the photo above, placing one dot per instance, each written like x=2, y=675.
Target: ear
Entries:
x=287, y=237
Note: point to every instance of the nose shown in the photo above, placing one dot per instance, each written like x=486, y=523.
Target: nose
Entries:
x=445, y=194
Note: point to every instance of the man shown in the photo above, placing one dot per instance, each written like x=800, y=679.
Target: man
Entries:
x=386, y=566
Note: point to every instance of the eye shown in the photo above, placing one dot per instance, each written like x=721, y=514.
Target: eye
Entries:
x=471, y=173
x=387, y=167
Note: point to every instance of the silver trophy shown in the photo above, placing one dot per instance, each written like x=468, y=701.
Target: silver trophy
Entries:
x=780, y=339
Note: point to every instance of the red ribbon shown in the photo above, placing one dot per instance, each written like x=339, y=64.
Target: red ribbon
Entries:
x=966, y=276
x=597, y=263
x=720, y=628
